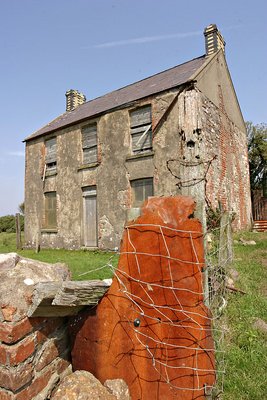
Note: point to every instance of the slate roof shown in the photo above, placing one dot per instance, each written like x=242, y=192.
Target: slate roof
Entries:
x=160, y=82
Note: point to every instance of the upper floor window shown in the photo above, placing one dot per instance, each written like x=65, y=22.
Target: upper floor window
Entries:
x=51, y=154
x=89, y=143
x=141, y=129
x=141, y=190
x=50, y=210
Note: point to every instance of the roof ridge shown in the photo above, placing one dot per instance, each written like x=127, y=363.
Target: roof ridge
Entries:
x=156, y=83
x=141, y=80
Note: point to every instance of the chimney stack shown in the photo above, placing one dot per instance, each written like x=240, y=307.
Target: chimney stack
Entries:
x=74, y=99
x=213, y=39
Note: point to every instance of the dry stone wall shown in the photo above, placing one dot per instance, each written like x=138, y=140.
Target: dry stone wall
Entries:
x=34, y=352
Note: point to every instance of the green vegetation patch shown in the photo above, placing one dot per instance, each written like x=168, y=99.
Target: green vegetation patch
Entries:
x=245, y=345
x=84, y=264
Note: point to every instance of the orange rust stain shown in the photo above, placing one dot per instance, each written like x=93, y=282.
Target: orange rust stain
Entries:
x=151, y=328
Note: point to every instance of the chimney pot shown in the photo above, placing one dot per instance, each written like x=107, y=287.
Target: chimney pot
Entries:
x=74, y=98
x=214, y=40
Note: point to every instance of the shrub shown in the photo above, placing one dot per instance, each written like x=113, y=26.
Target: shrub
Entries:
x=8, y=223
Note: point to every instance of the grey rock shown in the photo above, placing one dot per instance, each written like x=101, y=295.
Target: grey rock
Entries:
x=8, y=261
x=18, y=277
x=247, y=242
x=234, y=274
x=260, y=325
x=119, y=388
x=82, y=385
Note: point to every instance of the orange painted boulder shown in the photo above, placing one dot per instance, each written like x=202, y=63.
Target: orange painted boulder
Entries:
x=152, y=328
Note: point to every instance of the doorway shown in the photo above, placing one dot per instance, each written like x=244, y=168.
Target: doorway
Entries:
x=89, y=216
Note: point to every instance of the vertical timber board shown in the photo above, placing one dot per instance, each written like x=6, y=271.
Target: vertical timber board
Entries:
x=225, y=243
x=90, y=217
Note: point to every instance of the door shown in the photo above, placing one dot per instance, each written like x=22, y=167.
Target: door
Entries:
x=89, y=216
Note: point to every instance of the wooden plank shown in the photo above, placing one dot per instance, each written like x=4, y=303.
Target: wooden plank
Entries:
x=141, y=116
x=51, y=150
x=140, y=129
x=89, y=128
x=90, y=221
x=51, y=299
x=89, y=139
x=18, y=231
x=142, y=143
x=90, y=155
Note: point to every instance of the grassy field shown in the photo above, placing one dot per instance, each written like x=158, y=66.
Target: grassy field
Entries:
x=83, y=264
x=245, y=346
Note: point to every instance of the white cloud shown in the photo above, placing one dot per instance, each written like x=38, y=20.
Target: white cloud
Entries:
x=16, y=153
x=157, y=38
x=147, y=39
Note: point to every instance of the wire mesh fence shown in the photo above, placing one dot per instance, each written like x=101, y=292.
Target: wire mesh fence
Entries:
x=219, y=256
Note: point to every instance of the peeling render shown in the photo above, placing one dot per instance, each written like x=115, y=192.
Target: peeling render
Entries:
x=197, y=151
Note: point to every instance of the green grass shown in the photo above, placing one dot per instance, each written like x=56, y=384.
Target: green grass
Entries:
x=82, y=263
x=245, y=346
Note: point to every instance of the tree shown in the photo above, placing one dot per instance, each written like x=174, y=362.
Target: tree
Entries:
x=257, y=153
x=21, y=208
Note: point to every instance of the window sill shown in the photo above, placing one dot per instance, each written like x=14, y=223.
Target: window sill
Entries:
x=140, y=155
x=88, y=166
x=50, y=173
x=49, y=230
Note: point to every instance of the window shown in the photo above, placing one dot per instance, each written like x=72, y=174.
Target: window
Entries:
x=141, y=129
x=141, y=190
x=89, y=144
x=50, y=214
x=51, y=154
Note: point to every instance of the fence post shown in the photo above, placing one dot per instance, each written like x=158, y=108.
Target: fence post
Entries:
x=18, y=231
x=225, y=241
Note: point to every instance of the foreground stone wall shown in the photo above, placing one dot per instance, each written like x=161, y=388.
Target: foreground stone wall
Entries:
x=35, y=362
x=34, y=357
x=34, y=352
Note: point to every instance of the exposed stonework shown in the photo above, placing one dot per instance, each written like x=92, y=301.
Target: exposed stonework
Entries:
x=34, y=352
x=19, y=278
x=82, y=385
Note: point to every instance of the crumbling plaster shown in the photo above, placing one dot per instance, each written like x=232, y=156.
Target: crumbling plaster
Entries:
x=197, y=150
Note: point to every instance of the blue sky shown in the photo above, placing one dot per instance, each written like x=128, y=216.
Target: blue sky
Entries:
x=96, y=46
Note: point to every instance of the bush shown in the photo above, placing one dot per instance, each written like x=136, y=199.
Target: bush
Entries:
x=8, y=223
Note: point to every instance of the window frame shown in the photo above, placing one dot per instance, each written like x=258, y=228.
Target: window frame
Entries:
x=51, y=155
x=141, y=129
x=89, y=144
x=50, y=209
x=147, y=190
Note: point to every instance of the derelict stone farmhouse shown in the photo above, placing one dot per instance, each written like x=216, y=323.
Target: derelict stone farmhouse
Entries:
x=180, y=131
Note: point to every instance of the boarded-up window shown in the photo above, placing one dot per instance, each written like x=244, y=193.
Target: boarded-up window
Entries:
x=51, y=154
x=141, y=129
x=141, y=190
x=89, y=143
x=50, y=214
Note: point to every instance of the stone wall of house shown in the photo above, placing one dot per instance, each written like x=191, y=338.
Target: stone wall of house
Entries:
x=197, y=151
x=200, y=152
x=112, y=174
x=227, y=171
